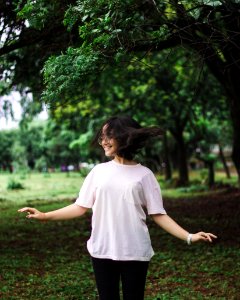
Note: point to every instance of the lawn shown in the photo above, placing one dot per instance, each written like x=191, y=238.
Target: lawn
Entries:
x=57, y=186
x=50, y=260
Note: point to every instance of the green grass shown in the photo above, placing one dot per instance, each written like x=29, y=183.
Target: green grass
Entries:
x=66, y=186
x=50, y=260
x=197, y=186
x=40, y=186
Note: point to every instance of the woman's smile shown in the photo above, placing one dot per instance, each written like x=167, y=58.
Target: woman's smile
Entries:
x=109, y=144
x=110, y=147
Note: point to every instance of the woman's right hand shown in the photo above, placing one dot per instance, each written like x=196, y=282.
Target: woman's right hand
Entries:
x=33, y=213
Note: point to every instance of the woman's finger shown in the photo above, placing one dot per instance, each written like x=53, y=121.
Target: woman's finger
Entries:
x=30, y=216
x=28, y=210
x=212, y=235
x=203, y=236
x=208, y=236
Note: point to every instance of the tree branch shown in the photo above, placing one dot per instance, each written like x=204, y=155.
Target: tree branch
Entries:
x=156, y=45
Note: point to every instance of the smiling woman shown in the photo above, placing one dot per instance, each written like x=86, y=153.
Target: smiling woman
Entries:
x=124, y=137
x=109, y=143
x=121, y=193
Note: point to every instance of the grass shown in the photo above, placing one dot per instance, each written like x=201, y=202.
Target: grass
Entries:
x=50, y=260
x=66, y=186
x=40, y=186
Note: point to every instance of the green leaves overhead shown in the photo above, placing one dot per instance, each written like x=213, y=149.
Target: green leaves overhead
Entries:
x=66, y=74
x=37, y=13
x=115, y=24
x=112, y=32
x=83, y=37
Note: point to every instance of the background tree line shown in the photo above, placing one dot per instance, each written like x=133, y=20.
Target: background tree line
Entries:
x=170, y=63
x=38, y=147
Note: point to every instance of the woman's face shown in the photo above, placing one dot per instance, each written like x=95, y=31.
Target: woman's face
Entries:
x=109, y=144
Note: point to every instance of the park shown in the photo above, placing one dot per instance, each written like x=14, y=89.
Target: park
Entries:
x=174, y=65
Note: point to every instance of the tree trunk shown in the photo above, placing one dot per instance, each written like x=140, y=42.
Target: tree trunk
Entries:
x=233, y=90
x=183, y=167
x=182, y=159
x=227, y=73
x=211, y=175
x=225, y=166
x=167, y=169
x=235, y=113
x=229, y=78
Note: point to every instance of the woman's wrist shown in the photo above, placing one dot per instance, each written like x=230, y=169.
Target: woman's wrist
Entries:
x=44, y=217
x=189, y=239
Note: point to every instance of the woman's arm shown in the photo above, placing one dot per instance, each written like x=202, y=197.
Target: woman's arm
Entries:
x=169, y=225
x=65, y=213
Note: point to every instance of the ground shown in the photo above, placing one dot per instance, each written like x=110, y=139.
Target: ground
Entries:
x=50, y=260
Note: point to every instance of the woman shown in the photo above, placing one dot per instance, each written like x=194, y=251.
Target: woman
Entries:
x=121, y=192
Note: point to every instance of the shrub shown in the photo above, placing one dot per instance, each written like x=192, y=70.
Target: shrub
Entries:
x=84, y=171
x=13, y=184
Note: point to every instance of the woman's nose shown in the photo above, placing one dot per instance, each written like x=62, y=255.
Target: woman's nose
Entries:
x=105, y=140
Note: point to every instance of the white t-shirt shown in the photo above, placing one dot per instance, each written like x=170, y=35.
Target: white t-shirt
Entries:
x=120, y=196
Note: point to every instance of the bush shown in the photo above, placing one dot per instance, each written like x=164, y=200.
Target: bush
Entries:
x=84, y=171
x=41, y=164
x=204, y=176
x=14, y=185
x=193, y=188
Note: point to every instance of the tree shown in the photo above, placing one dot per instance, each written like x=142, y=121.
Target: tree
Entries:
x=163, y=95
x=7, y=138
x=38, y=146
x=31, y=137
x=31, y=31
x=19, y=157
x=57, y=140
x=110, y=29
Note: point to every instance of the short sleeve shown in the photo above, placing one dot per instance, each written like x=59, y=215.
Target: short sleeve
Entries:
x=152, y=195
x=86, y=195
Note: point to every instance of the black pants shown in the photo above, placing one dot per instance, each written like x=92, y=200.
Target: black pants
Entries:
x=108, y=274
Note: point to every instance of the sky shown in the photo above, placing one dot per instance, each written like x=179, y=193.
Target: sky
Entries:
x=9, y=123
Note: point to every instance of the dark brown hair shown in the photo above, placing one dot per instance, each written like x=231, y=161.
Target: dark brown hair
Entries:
x=129, y=134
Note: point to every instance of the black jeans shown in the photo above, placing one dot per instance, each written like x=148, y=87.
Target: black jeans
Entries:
x=108, y=274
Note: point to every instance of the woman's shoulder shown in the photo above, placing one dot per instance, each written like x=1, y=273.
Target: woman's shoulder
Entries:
x=138, y=167
x=146, y=170
x=101, y=166
x=147, y=174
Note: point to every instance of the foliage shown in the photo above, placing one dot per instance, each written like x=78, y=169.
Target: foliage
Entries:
x=84, y=171
x=109, y=30
x=13, y=184
x=102, y=34
x=32, y=138
x=41, y=164
x=38, y=13
x=19, y=156
x=7, y=139
x=57, y=140
x=175, y=96
x=31, y=31
x=82, y=144
x=113, y=35
x=78, y=61
x=43, y=146
x=75, y=64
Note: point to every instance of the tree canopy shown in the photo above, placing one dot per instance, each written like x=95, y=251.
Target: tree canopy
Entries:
x=77, y=44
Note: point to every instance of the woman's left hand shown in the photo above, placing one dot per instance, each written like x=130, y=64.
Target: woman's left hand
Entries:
x=203, y=236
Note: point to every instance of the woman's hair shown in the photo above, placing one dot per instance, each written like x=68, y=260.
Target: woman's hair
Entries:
x=130, y=135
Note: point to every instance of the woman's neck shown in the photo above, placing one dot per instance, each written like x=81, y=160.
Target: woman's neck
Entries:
x=124, y=161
